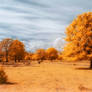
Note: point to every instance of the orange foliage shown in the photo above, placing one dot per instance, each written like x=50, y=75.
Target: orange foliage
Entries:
x=40, y=54
x=35, y=57
x=79, y=38
x=28, y=56
x=4, y=47
x=52, y=53
x=59, y=57
x=17, y=50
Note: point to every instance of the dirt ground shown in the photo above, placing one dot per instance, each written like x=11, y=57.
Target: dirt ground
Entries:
x=48, y=77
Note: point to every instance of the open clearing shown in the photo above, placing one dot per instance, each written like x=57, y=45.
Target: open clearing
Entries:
x=48, y=77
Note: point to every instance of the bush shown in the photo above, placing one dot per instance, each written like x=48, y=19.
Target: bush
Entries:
x=3, y=76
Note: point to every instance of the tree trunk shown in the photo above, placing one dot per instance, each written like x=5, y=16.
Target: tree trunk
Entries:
x=6, y=56
x=18, y=60
x=15, y=59
x=39, y=61
x=91, y=64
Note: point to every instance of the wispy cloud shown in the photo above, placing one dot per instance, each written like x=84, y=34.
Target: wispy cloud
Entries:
x=38, y=23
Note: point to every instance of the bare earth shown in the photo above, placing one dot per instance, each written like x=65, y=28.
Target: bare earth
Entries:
x=48, y=77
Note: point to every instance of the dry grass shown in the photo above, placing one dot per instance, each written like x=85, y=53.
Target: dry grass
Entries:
x=48, y=77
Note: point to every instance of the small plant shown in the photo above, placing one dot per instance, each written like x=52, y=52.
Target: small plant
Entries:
x=3, y=76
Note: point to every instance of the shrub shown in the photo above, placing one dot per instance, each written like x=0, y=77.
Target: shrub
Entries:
x=3, y=76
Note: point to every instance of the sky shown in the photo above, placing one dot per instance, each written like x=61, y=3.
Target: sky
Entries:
x=39, y=23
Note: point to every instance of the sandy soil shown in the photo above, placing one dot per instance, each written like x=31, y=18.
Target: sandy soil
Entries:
x=48, y=77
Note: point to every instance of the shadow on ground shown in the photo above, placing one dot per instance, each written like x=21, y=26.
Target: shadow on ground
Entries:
x=8, y=83
x=83, y=68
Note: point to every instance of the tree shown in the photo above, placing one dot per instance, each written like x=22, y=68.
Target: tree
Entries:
x=17, y=50
x=28, y=56
x=5, y=45
x=52, y=53
x=79, y=38
x=1, y=54
x=35, y=57
x=40, y=53
x=59, y=57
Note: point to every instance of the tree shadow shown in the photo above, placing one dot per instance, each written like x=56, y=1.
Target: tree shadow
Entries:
x=83, y=88
x=83, y=68
x=8, y=83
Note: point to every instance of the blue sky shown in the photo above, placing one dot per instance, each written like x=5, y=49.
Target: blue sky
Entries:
x=39, y=23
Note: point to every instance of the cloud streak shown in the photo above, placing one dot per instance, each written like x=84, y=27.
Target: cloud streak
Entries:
x=38, y=23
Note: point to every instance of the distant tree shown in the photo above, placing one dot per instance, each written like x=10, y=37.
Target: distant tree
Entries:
x=79, y=38
x=52, y=53
x=5, y=45
x=59, y=57
x=17, y=50
x=40, y=54
x=28, y=56
x=35, y=57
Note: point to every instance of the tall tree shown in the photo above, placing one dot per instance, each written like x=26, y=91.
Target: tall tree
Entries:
x=17, y=50
x=79, y=38
x=5, y=45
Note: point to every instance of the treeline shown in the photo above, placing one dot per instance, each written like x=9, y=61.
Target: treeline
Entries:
x=42, y=54
x=15, y=50
x=78, y=46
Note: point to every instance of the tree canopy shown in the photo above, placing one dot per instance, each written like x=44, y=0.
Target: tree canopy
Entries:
x=5, y=45
x=17, y=50
x=52, y=53
x=79, y=38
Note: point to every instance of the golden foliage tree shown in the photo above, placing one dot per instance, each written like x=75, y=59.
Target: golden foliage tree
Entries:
x=17, y=50
x=41, y=54
x=52, y=53
x=1, y=55
x=79, y=38
x=35, y=57
x=28, y=56
x=5, y=45
x=59, y=57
